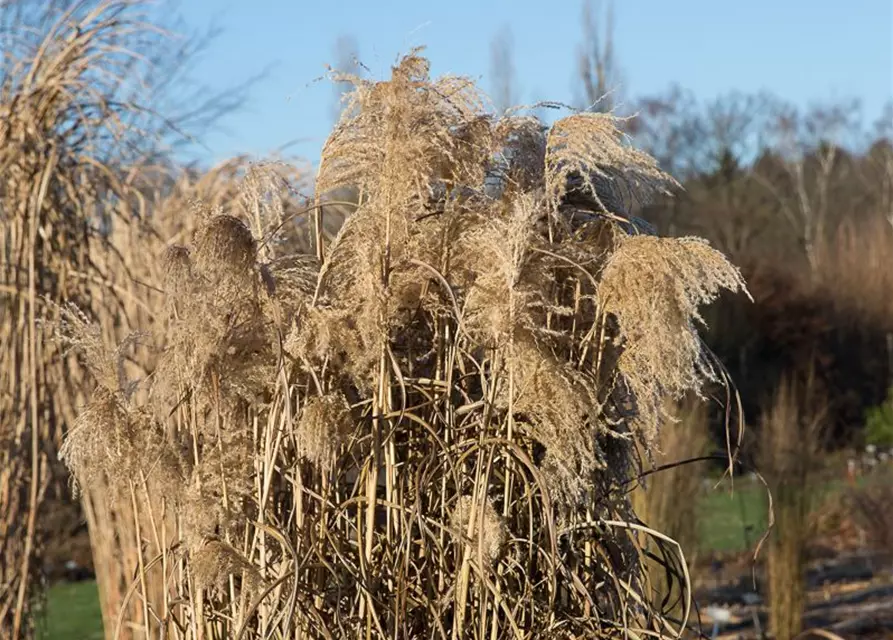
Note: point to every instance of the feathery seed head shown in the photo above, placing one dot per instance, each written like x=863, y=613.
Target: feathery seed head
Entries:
x=654, y=287
x=214, y=563
x=588, y=150
x=488, y=527
x=323, y=427
x=223, y=246
x=176, y=266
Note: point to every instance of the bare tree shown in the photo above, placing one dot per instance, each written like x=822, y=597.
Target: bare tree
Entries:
x=598, y=71
x=751, y=160
x=711, y=147
x=502, y=70
x=880, y=161
x=811, y=145
x=669, y=126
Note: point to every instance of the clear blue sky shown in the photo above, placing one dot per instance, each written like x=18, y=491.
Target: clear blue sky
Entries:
x=801, y=50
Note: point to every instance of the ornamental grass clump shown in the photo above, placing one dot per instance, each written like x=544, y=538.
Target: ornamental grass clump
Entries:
x=430, y=431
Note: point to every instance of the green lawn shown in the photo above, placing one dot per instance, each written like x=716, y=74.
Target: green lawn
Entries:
x=736, y=521
x=73, y=612
x=733, y=521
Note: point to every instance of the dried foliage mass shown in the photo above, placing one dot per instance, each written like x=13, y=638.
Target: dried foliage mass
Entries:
x=425, y=426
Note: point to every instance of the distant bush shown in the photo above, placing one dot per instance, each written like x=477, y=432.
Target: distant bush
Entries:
x=879, y=423
x=868, y=506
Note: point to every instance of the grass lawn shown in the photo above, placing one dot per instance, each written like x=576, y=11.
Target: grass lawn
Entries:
x=733, y=521
x=736, y=521
x=73, y=613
